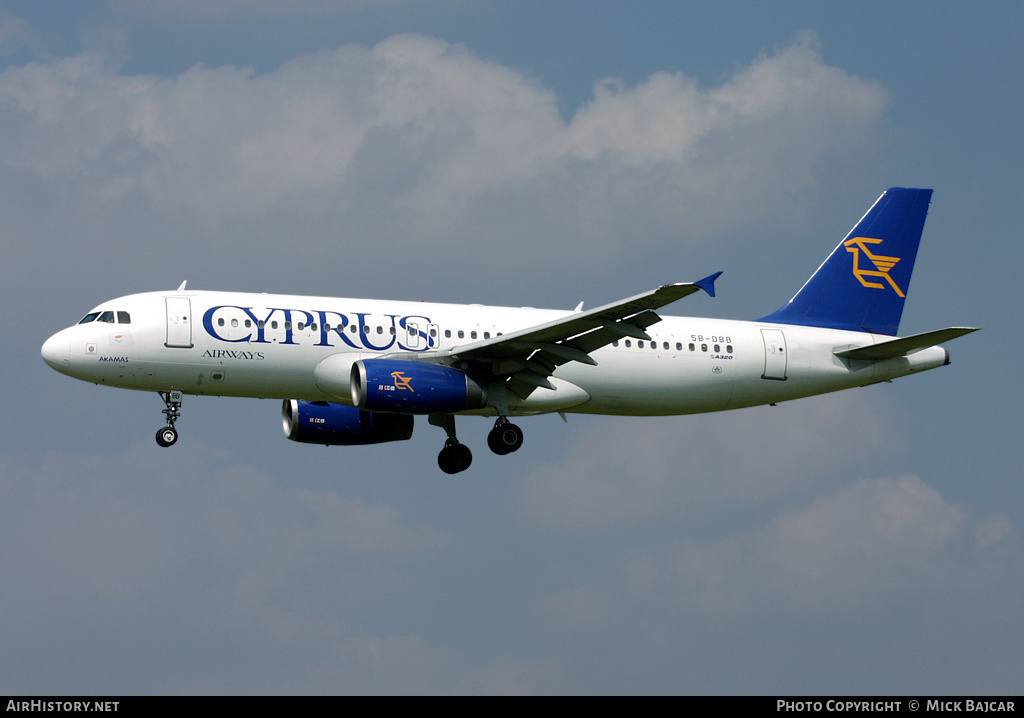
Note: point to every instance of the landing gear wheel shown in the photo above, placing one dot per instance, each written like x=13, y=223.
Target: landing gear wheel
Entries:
x=454, y=457
x=166, y=436
x=504, y=438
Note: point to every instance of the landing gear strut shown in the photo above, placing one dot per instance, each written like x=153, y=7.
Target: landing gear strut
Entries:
x=172, y=400
x=454, y=457
x=505, y=437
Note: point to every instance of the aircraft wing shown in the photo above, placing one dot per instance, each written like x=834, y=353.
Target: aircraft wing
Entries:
x=529, y=356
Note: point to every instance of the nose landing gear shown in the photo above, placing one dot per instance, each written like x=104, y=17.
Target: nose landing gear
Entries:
x=172, y=400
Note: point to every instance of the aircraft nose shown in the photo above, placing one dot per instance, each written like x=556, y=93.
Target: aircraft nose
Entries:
x=57, y=352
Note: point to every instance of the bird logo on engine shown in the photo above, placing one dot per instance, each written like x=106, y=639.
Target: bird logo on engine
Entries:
x=402, y=381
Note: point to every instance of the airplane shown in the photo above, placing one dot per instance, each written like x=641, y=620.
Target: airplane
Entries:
x=357, y=371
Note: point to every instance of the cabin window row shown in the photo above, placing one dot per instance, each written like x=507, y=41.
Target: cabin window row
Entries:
x=462, y=335
x=666, y=346
x=353, y=328
x=299, y=326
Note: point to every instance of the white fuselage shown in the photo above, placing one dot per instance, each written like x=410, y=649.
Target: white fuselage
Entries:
x=274, y=346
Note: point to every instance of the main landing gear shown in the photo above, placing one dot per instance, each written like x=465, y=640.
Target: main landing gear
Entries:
x=455, y=457
x=505, y=437
x=172, y=400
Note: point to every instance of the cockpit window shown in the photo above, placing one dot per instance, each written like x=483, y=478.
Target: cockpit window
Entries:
x=124, y=318
x=107, y=317
x=89, y=318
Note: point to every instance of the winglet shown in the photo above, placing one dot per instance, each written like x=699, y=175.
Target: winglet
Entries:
x=708, y=283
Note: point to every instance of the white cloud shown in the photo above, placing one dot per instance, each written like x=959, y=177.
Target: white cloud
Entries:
x=244, y=586
x=618, y=471
x=100, y=531
x=418, y=147
x=838, y=593
x=14, y=32
x=842, y=553
x=670, y=118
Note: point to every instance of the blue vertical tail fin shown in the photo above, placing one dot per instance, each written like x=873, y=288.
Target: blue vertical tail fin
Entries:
x=864, y=282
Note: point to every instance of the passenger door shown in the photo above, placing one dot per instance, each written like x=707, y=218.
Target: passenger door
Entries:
x=179, y=322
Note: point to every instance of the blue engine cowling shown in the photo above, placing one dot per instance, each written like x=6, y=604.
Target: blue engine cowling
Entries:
x=413, y=387
x=321, y=422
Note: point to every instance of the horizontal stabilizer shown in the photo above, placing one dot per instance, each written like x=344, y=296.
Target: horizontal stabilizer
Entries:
x=906, y=345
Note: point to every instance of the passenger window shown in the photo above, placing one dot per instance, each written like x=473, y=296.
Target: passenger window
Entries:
x=124, y=318
x=629, y=343
x=472, y=335
x=447, y=333
x=461, y=334
x=703, y=347
x=89, y=318
x=298, y=325
x=718, y=348
x=692, y=347
x=248, y=323
x=107, y=317
x=640, y=344
x=615, y=343
x=487, y=335
x=679, y=346
x=234, y=322
x=728, y=348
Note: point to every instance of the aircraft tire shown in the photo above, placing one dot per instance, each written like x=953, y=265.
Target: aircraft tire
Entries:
x=454, y=458
x=167, y=436
x=505, y=439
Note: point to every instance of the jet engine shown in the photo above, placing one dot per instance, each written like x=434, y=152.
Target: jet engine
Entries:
x=321, y=422
x=413, y=387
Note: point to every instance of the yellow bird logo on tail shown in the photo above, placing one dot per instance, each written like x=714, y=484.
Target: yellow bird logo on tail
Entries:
x=856, y=247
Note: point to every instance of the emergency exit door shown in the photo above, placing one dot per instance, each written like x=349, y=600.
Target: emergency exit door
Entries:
x=775, y=358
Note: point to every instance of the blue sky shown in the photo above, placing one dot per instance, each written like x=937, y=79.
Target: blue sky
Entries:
x=518, y=153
